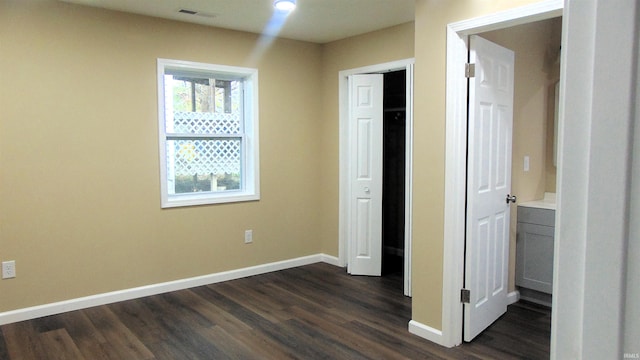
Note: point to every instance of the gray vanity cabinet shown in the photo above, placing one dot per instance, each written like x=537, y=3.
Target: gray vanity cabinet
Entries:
x=534, y=248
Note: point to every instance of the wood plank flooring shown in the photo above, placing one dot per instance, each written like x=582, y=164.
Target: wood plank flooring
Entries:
x=311, y=312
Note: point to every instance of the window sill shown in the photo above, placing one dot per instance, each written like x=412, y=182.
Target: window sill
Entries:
x=207, y=199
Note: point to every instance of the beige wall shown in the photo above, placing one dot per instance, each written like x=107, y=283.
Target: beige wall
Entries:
x=395, y=43
x=536, y=71
x=79, y=175
x=432, y=17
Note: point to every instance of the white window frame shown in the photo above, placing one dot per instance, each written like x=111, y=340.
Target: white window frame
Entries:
x=250, y=179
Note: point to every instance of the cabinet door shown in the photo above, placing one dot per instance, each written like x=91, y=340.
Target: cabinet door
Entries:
x=534, y=257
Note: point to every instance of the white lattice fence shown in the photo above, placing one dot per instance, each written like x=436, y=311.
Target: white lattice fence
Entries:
x=206, y=156
x=206, y=123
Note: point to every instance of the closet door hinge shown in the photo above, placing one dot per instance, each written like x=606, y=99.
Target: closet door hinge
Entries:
x=469, y=70
x=465, y=296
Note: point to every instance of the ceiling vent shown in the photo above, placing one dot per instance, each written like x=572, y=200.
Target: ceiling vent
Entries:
x=197, y=13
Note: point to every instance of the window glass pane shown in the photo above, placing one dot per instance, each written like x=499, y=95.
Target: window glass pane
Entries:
x=196, y=105
x=203, y=165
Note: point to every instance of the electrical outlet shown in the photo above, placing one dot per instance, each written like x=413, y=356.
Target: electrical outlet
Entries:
x=8, y=269
x=248, y=236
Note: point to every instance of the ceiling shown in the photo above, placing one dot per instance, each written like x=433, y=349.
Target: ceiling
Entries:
x=318, y=21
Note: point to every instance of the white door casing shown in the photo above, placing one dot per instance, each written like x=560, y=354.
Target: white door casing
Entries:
x=365, y=122
x=488, y=184
x=346, y=139
x=456, y=160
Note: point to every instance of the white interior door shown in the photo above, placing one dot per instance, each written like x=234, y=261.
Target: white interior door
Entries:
x=488, y=184
x=365, y=209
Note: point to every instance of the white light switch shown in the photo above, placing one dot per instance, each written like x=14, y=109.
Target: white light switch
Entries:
x=526, y=163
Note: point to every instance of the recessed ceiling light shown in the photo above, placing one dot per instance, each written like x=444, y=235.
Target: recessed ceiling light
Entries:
x=285, y=5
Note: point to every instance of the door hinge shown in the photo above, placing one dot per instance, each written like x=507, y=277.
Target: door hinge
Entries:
x=465, y=296
x=469, y=70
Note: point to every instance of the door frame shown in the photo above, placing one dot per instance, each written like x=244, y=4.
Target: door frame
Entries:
x=456, y=149
x=344, y=140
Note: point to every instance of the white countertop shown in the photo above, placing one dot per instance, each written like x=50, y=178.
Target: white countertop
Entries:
x=548, y=202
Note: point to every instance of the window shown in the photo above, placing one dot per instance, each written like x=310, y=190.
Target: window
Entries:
x=208, y=125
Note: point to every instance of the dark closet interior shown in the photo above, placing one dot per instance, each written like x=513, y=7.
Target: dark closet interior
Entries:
x=393, y=178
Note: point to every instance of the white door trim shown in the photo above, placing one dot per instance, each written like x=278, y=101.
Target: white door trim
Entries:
x=456, y=147
x=344, y=139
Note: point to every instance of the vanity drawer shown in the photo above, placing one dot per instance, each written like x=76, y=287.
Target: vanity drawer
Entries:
x=539, y=216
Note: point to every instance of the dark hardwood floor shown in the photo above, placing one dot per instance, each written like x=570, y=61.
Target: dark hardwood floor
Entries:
x=311, y=312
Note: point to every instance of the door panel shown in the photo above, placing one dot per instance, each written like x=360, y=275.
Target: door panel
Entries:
x=366, y=96
x=488, y=184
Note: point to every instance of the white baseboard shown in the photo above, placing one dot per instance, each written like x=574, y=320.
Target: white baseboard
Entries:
x=513, y=297
x=435, y=335
x=154, y=289
x=426, y=332
x=331, y=260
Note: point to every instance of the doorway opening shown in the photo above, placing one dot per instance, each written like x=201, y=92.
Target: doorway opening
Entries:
x=530, y=238
x=534, y=155
x=393, y=172
x=398, y=77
